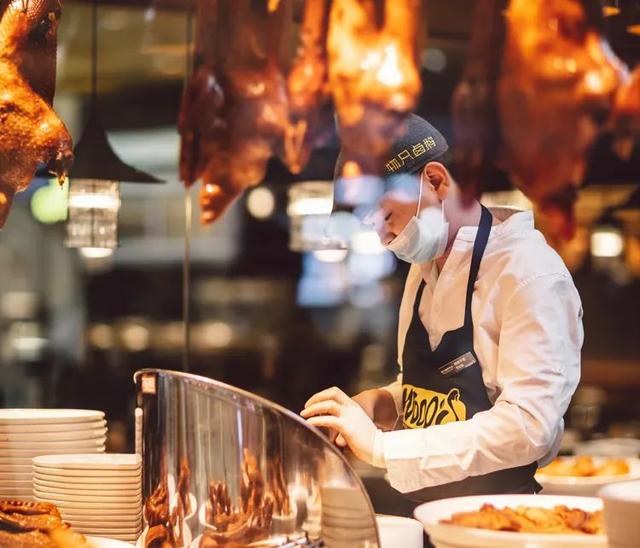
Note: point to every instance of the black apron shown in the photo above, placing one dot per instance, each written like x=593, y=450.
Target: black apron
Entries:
x=445, y=385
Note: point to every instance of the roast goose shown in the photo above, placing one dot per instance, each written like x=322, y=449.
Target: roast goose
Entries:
x=546, y=80
x=30, y=131
x=234, y=109
x=241, y=106
x=626, y=116
x=310, y=118
x=373, y=76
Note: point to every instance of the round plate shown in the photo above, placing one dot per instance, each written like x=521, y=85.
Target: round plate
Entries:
x=18, y=483
x=25, y=498
x=28, y=429
x=131, y=531
x=81, y=505
x=586, y=486
x=108, y=519
x=112, y=489
x=48, y=416
x=136, y=498
x=84, y=479
x=10, y=446
x=100, y=542
x=431, y=513
x=15, y=476
x=11, y=454
x=130, y=525
x=95, y=515
x=106, y=461
x=35, y=438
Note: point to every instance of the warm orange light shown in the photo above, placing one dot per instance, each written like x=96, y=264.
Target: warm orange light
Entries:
x=610, y=11
x=634, y=29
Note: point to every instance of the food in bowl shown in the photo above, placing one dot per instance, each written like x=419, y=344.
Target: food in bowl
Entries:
x=584, y=466
x=527, y=519
x=36, y=524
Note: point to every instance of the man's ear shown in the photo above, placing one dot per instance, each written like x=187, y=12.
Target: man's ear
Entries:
x=439, y=177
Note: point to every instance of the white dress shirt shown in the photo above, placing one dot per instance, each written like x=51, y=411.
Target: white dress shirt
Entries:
x=527, y=330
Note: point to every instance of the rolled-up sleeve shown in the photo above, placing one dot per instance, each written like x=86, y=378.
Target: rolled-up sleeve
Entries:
x=538, y=371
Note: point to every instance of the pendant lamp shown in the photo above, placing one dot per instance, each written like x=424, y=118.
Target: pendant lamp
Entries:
x=94, y=180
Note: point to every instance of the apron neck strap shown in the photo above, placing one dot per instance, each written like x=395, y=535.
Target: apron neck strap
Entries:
x=479, y=245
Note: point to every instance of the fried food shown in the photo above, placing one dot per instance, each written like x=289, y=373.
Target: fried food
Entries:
x=584, y=466
x=35, y=525
x=527, y=519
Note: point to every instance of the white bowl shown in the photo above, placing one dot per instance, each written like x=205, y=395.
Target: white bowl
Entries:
x=622, y=513
x=589, y=486
x=396, y=531
x=449, y=536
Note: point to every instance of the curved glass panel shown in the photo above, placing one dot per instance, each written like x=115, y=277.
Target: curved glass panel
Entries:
x=223, y=467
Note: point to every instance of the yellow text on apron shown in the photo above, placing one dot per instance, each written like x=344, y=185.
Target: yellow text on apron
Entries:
x=423, y=408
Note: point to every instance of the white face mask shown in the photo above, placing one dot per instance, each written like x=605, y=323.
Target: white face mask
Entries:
x=425, y=236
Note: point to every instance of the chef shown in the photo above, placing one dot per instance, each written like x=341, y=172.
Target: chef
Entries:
x=489, y=340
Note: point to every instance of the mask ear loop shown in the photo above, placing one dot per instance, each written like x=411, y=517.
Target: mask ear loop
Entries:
x=419, y=196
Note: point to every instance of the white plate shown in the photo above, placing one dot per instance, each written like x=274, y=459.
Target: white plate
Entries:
x=133, y=525
x=8, y=492
x=61, y=473
x=52, y=437
x=131, y=531
x=96, y=515
x=107, y=461
x=13, y=454
x=26, y=498
x=36, y=442
x=84, y=479
x=77, y=505
x=100, y=542
x=48, y=416
x=129, y=539
x=450, y=536
x=589, y=486
x=81, y=488
x=12, y=478
x=136, y=498
x=8, y=446
x=27, y=483
x=53, y=428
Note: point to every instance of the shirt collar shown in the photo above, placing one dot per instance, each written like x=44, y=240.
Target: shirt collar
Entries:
x=512, y=220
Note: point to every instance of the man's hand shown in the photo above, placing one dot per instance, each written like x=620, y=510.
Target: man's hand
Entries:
x=333, y=409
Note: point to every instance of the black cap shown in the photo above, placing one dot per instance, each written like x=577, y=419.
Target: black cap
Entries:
x=419, y=144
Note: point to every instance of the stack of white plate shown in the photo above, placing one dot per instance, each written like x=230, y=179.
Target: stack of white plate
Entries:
x=97, y=494
x=27, y=433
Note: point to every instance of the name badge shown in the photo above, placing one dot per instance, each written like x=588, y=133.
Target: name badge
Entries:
x=455, y=366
